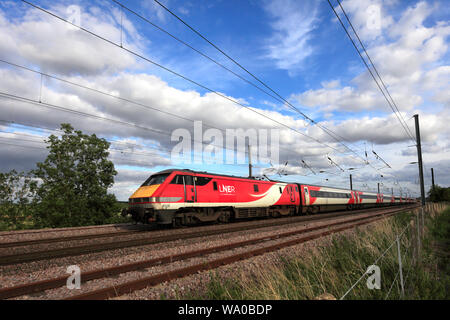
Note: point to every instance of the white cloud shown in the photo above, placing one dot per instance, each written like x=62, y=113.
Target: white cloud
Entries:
x=293, y=23
x=32, y=38
x=407, y=57
x=369, y=17
x=155, y=9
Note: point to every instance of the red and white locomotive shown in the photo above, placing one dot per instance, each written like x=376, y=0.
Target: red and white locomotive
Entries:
x=185, y=197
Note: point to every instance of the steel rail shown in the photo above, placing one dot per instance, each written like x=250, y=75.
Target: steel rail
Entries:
x=107, y=272
x=66, y=229
x=128, y=287
x=70, y=238
x=98, y=247
x=102, y=235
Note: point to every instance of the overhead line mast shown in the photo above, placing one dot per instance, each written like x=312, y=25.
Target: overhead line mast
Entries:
x=419, y=156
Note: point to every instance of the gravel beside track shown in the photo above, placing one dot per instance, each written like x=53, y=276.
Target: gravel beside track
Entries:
x=208, y=264
x=197, y=283
x=72, y=247
x=67, y=233
x=11, y=275
x=19, y=235
x=39, y=270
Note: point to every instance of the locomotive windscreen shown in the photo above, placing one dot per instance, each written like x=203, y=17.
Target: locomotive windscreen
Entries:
x=155, y=179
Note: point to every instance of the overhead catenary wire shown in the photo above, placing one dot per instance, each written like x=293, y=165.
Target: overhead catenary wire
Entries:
x=373, y=65
x=114, y=143
x=53, y=131
x=181, y=76
x=232, y=100
x=194, y=49
x=125, y=160
x=332, y=134
x=187, y=79
x=370, y=71
x=114, y=149
x=111, y=149
x=120, y=122
x=328, y=131
x=104, y=93
x=146, y=106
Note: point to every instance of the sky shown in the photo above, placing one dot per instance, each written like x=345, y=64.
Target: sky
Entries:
x=112, y=78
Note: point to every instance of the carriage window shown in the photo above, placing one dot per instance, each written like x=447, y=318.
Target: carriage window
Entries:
x=296, y=189
x=255, y=188
x=201, y=181
x=306, y=190
x=178, y=179
x=155, y=179
x=281, y=191
x=214, y=185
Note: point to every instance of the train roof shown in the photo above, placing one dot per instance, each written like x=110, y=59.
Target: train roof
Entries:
x=216, y=174
x=247, y=178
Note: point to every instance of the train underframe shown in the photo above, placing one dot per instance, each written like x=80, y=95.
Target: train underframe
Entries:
x=197, y=215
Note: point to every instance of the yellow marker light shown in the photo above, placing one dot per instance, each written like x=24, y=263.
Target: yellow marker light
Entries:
x=146, y=191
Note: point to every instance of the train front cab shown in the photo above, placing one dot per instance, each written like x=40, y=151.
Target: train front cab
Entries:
x=144, y=202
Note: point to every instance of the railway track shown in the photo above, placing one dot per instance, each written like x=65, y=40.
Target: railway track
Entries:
x=58, y=230
x=305, y=234
x=73, y=238
x=118, y=231
x=119, y=244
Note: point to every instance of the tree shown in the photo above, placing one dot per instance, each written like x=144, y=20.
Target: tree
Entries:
x=17, y=191
x=439, y=194
x=74, y=179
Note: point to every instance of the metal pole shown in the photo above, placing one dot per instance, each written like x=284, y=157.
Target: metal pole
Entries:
x=249, y=161
x=400, y=266
x=419, y=155
x=432, y=178
x=378, y=187
x=351, y=183
x=423, y=222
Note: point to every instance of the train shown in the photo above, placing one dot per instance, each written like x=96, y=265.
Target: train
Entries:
x=186, y=197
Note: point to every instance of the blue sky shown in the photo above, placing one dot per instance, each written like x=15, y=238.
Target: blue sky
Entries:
x=296, y=47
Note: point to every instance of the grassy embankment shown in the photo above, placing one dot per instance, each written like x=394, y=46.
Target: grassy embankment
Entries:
x=334, y=268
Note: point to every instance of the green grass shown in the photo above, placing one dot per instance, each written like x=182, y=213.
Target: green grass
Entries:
x=334, y=268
